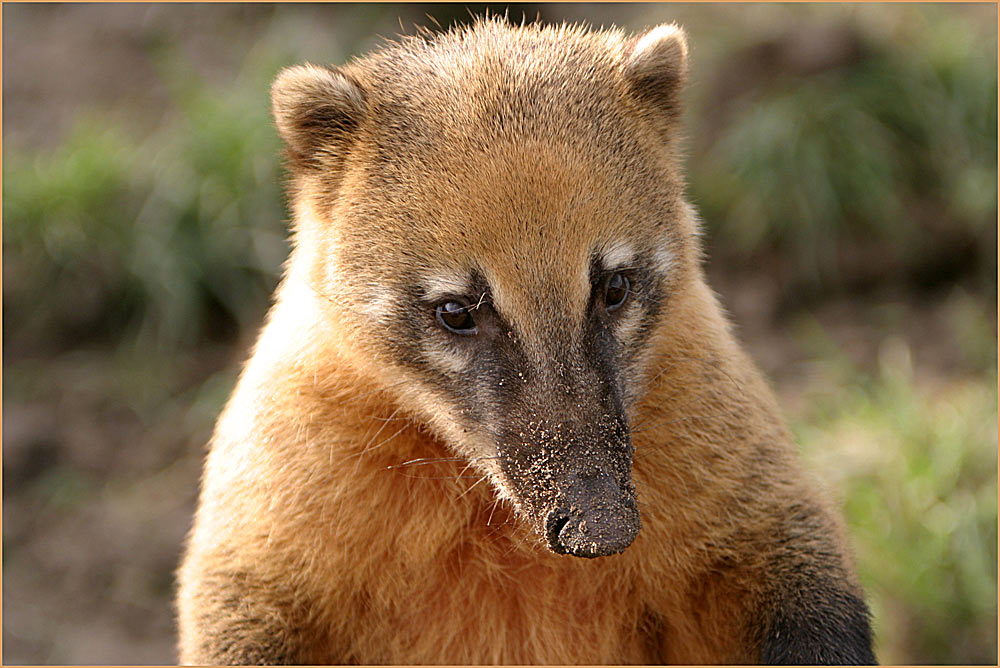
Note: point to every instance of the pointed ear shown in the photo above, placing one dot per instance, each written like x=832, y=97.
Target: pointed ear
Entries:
x=316, y=109
x=656, y=67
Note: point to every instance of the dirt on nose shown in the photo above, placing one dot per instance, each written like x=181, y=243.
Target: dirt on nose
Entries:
x=597, y=517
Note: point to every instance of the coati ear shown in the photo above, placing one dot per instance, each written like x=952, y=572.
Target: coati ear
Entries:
x=656, y=67
x=316, y=109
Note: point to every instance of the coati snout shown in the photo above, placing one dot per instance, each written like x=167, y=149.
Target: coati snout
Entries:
x=547, y=402
x=574, y=484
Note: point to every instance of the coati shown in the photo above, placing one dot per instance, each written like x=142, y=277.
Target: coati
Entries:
x=496, y=415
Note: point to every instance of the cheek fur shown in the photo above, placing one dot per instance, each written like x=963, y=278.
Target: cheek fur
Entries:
x=449, y=359
x=378, y=306
x=627, y=325
x=663, y=258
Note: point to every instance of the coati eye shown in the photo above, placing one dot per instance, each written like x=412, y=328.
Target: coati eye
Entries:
x=616, y=293
x=455, y=317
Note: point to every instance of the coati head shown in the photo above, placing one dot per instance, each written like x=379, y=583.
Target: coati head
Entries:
x=494, y=219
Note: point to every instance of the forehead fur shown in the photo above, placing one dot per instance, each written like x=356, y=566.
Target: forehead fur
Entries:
x=467, y=88
x=514, y=151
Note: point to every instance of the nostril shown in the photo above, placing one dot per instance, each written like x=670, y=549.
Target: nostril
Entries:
x=554, y=524
x=599, y=530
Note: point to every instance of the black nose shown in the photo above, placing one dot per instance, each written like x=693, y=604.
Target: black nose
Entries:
x=597, y=519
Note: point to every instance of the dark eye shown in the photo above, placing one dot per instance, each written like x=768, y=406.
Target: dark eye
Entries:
x=616, y=292
x=455, y=317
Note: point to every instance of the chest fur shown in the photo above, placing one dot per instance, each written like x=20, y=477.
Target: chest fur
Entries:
x=489, y=600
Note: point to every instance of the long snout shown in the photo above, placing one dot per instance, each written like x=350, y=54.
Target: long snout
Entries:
x=595, y=517
x=565, y=454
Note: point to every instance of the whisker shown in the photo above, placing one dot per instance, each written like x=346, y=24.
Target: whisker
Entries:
x=390, y=418
x=464, y=469
x=429, y=477
x=499, y=527
x=423, y=461
x=482, y=478
x=373, y=447
x=379, y=431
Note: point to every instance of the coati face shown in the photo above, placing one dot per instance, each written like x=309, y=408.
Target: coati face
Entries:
x=503, y=232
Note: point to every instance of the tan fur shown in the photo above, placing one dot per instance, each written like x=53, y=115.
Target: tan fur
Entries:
x=316, y=543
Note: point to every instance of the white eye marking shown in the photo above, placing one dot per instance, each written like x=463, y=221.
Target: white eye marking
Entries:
x=617, y=255
x=626, y=325
x=445, y=285
x=445, y=357
x=663, y=257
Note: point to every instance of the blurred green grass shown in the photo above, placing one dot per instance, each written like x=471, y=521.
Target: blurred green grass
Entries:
x=867, y=157
x=174, y=239
x=134, y=258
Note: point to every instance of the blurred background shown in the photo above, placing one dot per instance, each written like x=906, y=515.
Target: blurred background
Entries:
x=843, y=157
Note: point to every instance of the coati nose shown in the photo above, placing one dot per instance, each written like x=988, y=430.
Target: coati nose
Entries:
x=596, y=519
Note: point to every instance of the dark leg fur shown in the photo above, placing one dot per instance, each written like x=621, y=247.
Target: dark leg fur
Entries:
x=815, y=613
x=826, y=626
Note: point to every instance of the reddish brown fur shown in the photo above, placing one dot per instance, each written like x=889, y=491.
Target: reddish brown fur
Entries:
x=313, y=545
